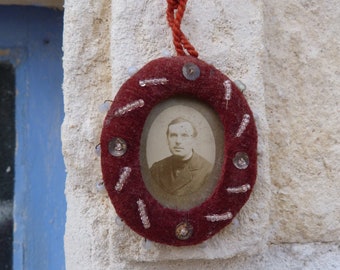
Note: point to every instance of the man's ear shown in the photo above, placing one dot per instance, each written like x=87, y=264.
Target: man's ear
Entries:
x=194, y=141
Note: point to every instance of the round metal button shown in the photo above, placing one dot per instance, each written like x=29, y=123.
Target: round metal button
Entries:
x=184, y=231
x=190, y=71
x=117, y=147
x=241, y=160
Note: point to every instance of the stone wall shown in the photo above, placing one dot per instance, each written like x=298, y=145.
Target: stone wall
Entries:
x=286, y=53
x=301, y=74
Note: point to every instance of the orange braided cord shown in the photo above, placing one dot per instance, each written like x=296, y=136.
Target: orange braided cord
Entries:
x=174, y=20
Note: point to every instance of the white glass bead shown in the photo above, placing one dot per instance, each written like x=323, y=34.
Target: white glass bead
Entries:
x=141, y=103
x=132, y=71
x=125, y=172
x=243, y=125
x=143, y=215
x=240, y=189
x=227, y=86
x=235, y=224
x=129, y=107
x=142, y=83
x=214, y=218
x=119, y=221
x=100, y=186
x=98, y=150
x=147, y=244
x=240, y=85
x=154, y=81
x=103, y=108
x=166, y=53
x=120, y=111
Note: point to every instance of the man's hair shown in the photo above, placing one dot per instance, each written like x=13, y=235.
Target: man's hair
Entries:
x=182, y=120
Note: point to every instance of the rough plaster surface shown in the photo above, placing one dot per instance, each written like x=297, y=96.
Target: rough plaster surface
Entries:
x=86, y=85
x=277, y=257
x=302, y=81
x=286, y=47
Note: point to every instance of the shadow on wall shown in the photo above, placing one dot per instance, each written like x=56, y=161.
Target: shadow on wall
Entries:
x=7, y=148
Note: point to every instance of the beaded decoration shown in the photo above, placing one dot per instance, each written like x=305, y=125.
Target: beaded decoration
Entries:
x=123, y=145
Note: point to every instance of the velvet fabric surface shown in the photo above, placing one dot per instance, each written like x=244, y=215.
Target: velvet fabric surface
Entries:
x=208, y=88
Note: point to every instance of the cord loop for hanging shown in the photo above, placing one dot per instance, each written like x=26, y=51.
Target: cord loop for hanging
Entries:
x=175, y=12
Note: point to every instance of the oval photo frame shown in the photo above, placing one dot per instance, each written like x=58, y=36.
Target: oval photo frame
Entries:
x=173, y=182
x=126, y=163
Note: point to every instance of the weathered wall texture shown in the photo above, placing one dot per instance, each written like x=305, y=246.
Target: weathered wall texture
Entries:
x=301, y=74
x=87, y=82
x=286, y=53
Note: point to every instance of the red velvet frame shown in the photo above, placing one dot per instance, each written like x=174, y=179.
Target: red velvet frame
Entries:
x=207, y=88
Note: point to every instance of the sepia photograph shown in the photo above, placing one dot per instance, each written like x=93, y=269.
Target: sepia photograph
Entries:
x=181, y=152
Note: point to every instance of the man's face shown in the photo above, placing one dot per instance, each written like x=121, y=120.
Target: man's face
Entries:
x=181, y=140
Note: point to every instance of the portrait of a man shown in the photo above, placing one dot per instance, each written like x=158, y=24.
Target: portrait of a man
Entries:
x=181, y=152
x=184, y=172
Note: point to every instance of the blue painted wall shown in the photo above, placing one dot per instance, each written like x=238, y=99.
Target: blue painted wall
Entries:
x=31, y=39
